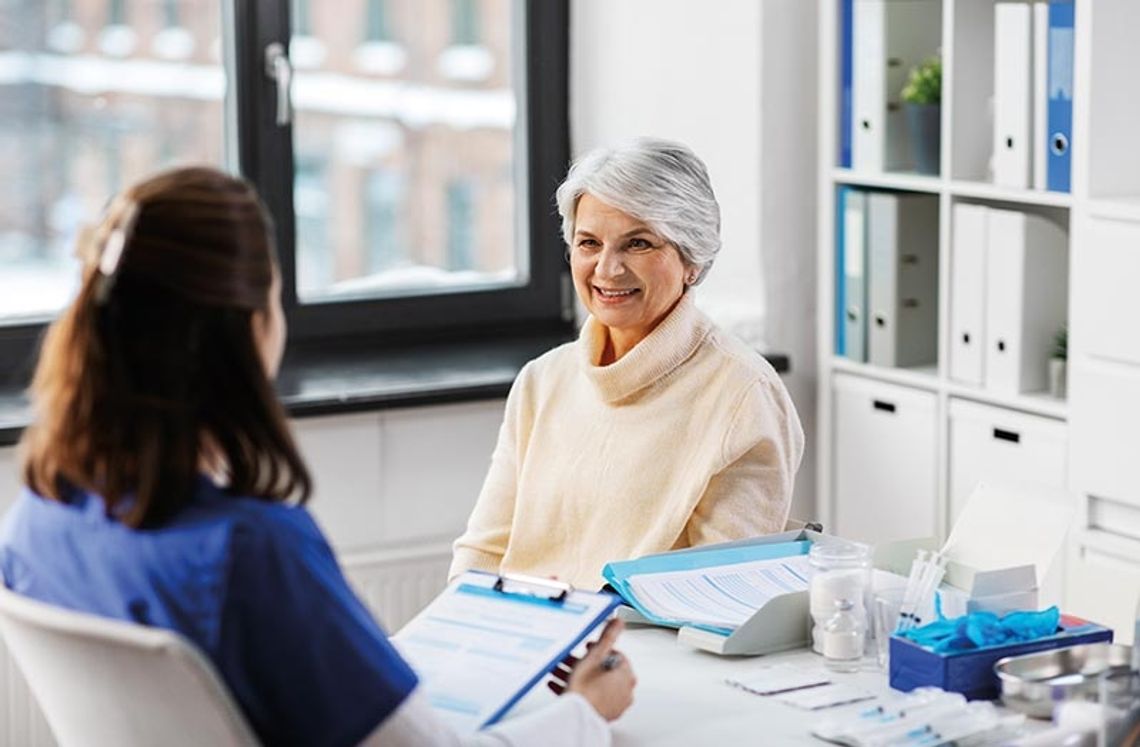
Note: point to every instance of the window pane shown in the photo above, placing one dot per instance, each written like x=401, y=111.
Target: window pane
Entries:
x=94, y=95
x=405, y=147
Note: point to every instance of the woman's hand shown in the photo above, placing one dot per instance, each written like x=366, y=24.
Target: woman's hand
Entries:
x=603, y=676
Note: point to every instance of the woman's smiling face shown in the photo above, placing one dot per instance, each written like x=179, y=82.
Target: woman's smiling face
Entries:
x=627, y=276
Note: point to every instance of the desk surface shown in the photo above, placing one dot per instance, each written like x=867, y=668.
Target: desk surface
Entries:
x=682, y=699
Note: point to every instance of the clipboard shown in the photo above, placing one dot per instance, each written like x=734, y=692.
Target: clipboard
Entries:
x=488, y=639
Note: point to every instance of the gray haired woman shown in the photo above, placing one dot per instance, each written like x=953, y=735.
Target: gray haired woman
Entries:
x=654, y=430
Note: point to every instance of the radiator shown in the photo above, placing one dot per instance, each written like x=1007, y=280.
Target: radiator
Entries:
x=397, y=584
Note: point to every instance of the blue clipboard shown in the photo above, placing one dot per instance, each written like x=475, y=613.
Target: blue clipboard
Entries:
x=483, y=643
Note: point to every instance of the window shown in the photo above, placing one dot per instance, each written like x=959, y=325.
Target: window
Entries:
x=464, y=22
x=378, y=24
x=460, y=226
x=411, y=191
x=83, y=111
x=383, y=233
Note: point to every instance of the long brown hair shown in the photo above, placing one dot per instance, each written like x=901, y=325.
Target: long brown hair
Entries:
x=155, y=362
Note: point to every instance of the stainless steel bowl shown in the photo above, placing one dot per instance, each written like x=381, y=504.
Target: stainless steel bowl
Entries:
x=1033, y=683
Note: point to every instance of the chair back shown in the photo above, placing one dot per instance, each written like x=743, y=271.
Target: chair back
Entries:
x=106, y=682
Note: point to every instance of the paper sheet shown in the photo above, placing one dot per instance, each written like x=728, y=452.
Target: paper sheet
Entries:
x=475, y=650
x=779, y=679
x=723, y=596
x=825, y=696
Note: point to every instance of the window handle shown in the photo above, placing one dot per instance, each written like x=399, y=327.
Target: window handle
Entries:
x=279, y=70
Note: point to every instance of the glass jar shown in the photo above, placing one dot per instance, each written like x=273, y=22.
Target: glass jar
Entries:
x=843, y=637
x=842, y=571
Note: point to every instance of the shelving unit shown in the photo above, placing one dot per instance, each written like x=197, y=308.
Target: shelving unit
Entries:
x=1100, y=421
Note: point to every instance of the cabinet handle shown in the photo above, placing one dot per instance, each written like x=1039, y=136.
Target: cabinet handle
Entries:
x=884, y=406
x=1004, y=435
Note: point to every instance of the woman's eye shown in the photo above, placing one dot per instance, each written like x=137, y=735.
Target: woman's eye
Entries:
x=640, y=244
x=590, y=245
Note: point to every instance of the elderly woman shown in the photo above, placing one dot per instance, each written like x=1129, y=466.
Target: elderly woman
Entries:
x=655, y=430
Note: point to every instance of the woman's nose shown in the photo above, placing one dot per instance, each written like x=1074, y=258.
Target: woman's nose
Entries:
x=610, y=263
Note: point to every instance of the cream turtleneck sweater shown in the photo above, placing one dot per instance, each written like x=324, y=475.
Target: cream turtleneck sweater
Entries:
x=690, y=438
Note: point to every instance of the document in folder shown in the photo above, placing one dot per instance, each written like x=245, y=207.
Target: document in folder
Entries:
x=717, y=590
x=486, y=640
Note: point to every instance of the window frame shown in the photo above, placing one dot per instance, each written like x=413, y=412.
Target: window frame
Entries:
x=263, y=153
x=541, y=304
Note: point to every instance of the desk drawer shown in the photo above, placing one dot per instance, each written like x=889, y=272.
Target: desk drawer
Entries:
x=998, y=445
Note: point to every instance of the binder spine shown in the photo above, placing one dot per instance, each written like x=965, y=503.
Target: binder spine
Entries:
x=1060, y=84
x=840, y=279
x=846, y=30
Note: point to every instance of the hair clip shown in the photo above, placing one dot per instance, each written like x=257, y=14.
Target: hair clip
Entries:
x=112, y=255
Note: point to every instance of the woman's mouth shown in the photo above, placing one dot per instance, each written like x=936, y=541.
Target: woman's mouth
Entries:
x=615, y=293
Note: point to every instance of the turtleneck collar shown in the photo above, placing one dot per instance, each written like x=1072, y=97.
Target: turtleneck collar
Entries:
x=669, y=345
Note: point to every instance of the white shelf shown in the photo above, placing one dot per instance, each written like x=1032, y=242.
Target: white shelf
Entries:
x=986, y=191
x=900, y=180
x=927, y=378
x=1035, y=403
x=922, y=377
x=1125, y=207
x=1105, y=179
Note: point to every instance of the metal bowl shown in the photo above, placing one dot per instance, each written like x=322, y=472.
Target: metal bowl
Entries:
x=1034, y=683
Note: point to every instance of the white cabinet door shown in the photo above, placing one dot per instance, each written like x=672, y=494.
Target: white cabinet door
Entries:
x=999, y=446
x=1105, y=302
x=885, y=451
x=1104, y=581
x=1104, y=424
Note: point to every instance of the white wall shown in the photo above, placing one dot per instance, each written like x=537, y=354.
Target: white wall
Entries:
x=734, y=80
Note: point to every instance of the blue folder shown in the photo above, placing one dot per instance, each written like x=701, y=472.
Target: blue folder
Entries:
x=1060, y=92
x=713, y=556
x=846, y=30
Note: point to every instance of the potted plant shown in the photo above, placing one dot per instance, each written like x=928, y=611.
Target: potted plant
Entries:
x=922, y=100
x=1058, y=362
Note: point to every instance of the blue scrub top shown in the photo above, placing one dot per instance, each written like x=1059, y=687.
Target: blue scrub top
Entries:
x=253, y=584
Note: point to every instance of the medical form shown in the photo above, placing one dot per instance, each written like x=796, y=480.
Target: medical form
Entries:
x=482, y=644
x=722, y=597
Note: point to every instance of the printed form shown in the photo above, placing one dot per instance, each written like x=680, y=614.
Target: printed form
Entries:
x=721, y=596
x=477, y=650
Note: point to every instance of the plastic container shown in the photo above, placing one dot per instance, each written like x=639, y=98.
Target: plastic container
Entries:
x=843, y=571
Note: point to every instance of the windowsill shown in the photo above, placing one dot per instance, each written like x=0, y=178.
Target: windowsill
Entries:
x=332, y=380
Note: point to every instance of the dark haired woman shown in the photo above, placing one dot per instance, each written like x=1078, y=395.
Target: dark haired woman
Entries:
x=162, y=475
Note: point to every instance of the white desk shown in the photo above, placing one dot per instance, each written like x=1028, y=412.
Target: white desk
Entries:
x=681, y=697
x=682, y=700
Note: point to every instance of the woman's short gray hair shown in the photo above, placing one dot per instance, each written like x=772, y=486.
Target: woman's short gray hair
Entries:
x=659, y=182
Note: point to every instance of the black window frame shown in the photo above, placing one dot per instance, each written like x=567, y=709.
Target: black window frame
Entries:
x=265, y=157
x=541, y=304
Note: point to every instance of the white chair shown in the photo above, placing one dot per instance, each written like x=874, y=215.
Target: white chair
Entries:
x=105, y=682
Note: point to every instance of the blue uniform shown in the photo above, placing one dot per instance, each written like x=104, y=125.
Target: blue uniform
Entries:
x=253, y=584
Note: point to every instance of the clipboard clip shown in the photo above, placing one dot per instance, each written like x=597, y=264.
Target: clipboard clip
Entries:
x=529, y=586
